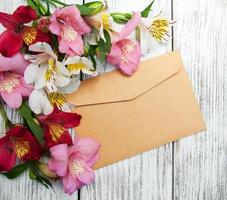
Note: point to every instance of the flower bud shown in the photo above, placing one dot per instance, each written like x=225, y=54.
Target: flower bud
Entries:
x=45, y=170
x=97, y=6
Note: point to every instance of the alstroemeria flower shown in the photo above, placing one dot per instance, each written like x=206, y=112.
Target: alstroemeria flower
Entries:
x=158, y=28
x=18, y=142
x=69, y=26
x=12, y=84
x=126, y=53
x=17, y=32
x=74, y=164
x=45, y=70
x=56, y=127
x=101, y=21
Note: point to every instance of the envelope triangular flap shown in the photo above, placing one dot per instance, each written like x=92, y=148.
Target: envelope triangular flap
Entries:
x=115, y=87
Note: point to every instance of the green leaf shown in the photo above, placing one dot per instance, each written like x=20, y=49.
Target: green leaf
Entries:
x=84, y=10
x=16, y=171
x=104, y=46
x=92, y=53
x=121, y=18
x=26, y=113
x=147, y=10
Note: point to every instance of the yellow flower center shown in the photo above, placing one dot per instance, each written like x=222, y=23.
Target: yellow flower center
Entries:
x=8, y=82
x=76, y=167
x=57, y=99
x=29, y=35
x=106, y=22
x=56, y=131
x=69, y=34
x=50, y=72
x=76, y=67
x=158, y=29
x=21, y=147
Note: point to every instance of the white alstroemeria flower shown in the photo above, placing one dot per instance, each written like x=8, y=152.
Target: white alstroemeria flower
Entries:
x=154, y=33
x=40, y=101
x=45, y=70
x=101, y=21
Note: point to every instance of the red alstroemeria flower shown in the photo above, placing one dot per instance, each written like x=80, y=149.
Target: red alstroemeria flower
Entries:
x=56, y=127
x=18, y=142
x=11, y=40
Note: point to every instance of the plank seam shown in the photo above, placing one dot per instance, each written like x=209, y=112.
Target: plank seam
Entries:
x=173, y=143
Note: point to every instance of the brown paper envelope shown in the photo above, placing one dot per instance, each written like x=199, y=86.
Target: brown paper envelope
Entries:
x=131, y=115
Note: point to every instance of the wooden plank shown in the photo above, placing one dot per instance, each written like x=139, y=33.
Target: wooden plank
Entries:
x=146, y=176
x=23, y=188
x=200, y=160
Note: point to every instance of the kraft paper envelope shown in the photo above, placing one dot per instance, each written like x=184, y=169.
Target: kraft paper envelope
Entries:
x=131, y=115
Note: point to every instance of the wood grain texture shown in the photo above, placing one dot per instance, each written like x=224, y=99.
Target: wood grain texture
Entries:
x=23, y=188
x=147, y=176
x=200, y=161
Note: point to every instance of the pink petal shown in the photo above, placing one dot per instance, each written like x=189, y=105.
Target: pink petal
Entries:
x=55, y=27
x=59, y=152
x=133, y=61
x=70, y=184
x=88, y=176
x=77, y=46
x=129, y=27
x=13, y=98
x=77, y=22
x=5, y=63
x=19, y=64
x=24, y=88
x=86, y=148
x=63, y=45
x=114, y=56
x=59, y=167
x=16, y=63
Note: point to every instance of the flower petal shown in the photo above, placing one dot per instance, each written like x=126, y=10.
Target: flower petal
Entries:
x=87, y=148
x=68, y=120
x=13, y=99
x=39, y=102
x=56, y=134
x=114, y=56
x=7, y=21
x=43, y=47
x=129, y=27
x=70, y=184
x=88, y=176
x=59, y=152
x=59, y=167
x=8, y=157
x=10, y=43
x=24, y=14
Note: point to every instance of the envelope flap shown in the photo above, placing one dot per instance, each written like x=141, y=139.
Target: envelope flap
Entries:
x=114, y=87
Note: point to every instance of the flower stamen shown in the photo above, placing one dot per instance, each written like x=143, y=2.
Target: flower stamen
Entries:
x=29, y=35
x=76, y=167
x=69, y=34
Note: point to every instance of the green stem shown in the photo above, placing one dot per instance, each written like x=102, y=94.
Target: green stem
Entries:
x=59, y=2
x=4, y=117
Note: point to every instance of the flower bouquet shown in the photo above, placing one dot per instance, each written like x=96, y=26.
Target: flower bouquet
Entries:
x=45, y=50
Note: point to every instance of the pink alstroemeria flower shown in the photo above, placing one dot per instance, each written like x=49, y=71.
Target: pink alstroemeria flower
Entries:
x=74, y=164
x=126, y=53
x=68, y=24
x=12, y=84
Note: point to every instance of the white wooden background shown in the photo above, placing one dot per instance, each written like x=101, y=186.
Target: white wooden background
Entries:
x=190, y=169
